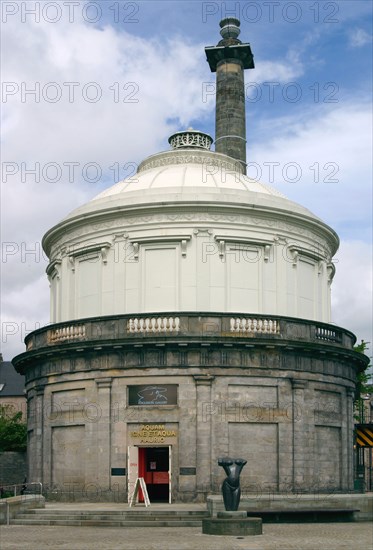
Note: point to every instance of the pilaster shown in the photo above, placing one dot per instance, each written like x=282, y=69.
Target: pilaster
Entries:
x=300, y=452
x=103, y=432
x=203, y=440
x=348, y=413
x=37, y=469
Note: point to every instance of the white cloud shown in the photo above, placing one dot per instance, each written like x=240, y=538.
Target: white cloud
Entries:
x=352, y=289
x=328, y=143
x=276, y=71
x=359, y=37
x=25, y=308
x=114, y=127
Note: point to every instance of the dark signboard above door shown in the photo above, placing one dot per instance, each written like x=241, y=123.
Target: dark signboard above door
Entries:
x=152, y=394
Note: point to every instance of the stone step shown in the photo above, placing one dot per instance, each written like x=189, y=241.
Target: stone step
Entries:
x=112, y=518
x=107, y=523
x=107, y=516
x=129, y=513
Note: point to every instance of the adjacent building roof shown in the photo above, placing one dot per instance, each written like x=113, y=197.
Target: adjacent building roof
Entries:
x=12, y=384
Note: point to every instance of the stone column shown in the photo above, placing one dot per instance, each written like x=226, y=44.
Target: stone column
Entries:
x=230, y=120
x=36, y=472
x=300, y=452
x=348, y=414
x=229, y=59
x=203, y=440
x=104, y=433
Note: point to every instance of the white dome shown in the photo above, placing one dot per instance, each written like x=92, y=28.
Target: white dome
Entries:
x=190, y=176
x=190, y=232
x=203, y=172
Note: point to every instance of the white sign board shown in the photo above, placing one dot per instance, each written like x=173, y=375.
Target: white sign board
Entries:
x=140, y=484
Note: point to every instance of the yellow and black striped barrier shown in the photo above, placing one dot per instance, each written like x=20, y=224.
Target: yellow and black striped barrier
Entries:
x=364, y=435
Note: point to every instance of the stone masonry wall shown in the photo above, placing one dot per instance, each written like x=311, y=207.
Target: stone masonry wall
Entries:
x=13, y=467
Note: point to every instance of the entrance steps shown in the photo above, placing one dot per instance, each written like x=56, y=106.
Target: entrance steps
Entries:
x=112, y=518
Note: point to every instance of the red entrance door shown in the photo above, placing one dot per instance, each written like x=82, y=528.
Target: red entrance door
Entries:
x=154, y=468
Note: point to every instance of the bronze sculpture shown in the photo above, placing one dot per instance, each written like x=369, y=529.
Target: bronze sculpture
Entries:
x=231, y=485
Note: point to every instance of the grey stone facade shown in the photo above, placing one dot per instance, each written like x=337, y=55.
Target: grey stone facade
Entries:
x=283, y=402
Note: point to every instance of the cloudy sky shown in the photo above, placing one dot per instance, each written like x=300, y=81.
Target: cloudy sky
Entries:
x=91, y=88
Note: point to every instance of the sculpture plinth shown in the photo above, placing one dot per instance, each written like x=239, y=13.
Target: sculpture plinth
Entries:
x=232, y=522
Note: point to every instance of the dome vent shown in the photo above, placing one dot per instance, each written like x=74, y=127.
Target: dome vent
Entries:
x=190, y=139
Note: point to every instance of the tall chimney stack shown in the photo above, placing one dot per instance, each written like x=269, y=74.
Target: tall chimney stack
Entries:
x=229, y=59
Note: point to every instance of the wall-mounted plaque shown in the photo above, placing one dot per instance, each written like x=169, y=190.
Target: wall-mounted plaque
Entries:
x=188, y=471
x=118, y=471
x=152, y=394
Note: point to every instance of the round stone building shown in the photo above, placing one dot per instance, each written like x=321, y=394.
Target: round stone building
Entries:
x=190, y=311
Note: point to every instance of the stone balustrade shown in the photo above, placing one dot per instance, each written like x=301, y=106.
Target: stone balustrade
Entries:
x=254, y=325
x=153, y=324
x=69, y=332
x=189, y=326
x=328, y=334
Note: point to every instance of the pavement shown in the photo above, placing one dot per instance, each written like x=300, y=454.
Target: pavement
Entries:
x=276, y=536
x=285, y=536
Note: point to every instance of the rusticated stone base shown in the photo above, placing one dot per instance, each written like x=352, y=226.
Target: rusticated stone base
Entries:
x=279, y=398
x=233, y=524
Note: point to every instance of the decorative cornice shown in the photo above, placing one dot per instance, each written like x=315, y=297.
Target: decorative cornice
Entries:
x=82, y=250
x=350, y=392
x=256, y=361
x=265, y=244
x=40, y=390
x=202, y=232
x=183, y=156
x=330, y=268
x=103, y=383
x=203, y=379
x=298, y=384
x=54, y=267
x=243, y=222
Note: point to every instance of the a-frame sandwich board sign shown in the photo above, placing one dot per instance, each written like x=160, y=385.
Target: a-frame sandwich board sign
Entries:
x=140, y=484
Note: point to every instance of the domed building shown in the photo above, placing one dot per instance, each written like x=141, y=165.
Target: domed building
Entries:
x=190, y=311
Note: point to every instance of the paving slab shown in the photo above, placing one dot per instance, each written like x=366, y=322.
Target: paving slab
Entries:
x=301, y=536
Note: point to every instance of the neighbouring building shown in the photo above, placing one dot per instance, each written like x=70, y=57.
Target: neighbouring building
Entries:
x=12, y=389
x=190, y=311
x=13, y=464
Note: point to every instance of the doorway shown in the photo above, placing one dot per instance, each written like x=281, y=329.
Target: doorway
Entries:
x=154, y=467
